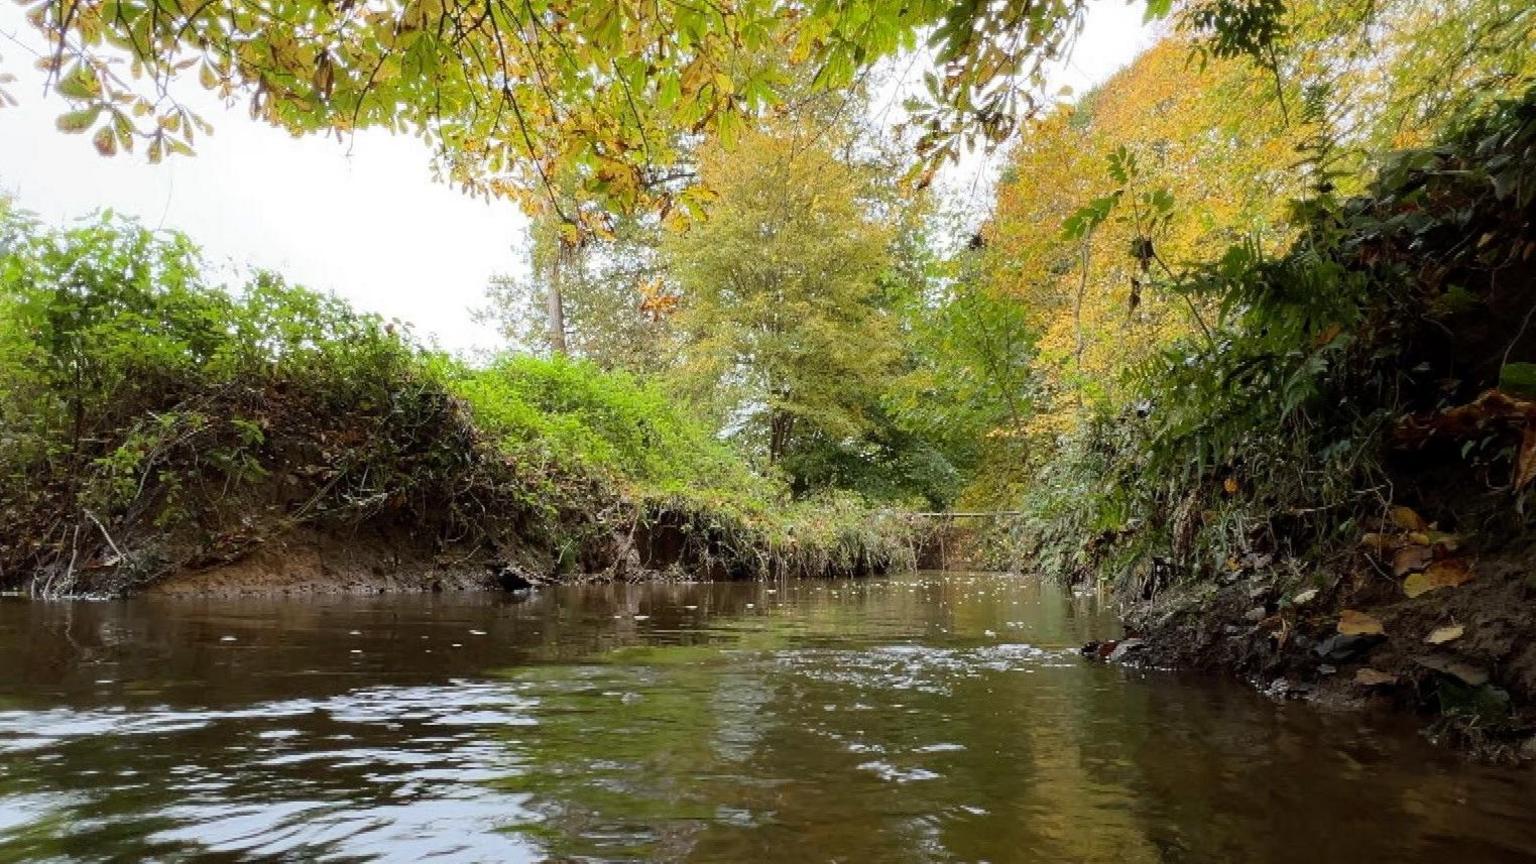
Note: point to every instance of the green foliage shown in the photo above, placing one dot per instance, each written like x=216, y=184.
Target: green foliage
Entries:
x=152, y=419
x=607, y=95
x=134, y=384
x=1271, y=434
x=1397, y=73
x=781, y=327
x=568, y=411
x=967, y=381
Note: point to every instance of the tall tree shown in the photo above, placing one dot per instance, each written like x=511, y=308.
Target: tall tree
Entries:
x=780, y=325
x=1391, y=74
x=1173, y=134
x=608, y=295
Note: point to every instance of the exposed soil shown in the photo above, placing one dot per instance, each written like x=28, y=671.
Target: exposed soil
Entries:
x=310, y=562
x=668, y=547
x=1292, y=636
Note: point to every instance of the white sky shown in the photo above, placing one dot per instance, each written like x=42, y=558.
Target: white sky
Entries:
x=361, y=218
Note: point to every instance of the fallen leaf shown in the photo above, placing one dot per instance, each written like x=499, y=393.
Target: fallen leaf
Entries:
x=1304, y=597
x=1352, y=623
x=1442, y=635
x=1449, y=573
x=1378, y=543
x=1369, y=677
x=1465, y=421
x=1408, y=520
x=1525, y=465
x=1409, y=559
x=1443, y=542
x=1230, y=485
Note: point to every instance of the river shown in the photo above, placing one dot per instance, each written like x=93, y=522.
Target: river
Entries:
x=932, y=717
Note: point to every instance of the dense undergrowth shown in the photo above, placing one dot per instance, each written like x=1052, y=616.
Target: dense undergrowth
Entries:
x=152, y=423
x=1307, y=413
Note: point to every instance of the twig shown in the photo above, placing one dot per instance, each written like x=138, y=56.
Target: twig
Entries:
x=110, y=542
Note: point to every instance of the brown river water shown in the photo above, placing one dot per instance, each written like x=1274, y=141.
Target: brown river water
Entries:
x=932, y=717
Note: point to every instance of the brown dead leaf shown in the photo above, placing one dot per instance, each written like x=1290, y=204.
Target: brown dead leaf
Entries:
x=1379, y=544
x=1442, y=635
x=1448, y=573
x=1525, y=465
x=1353, y=623
x=1230, y=485
x=1410, y=559
x=1369, y=677
x=1466, y=421
x=1408, y=519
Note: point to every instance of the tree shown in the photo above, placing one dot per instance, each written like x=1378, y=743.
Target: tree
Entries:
x=1173, y=135
x=1393, y=74
x=779, y=325
x=516, y=95
x=968, y=380
x=614, y=306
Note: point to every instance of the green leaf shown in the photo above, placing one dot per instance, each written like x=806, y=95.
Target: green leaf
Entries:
x=1518, y=379
x=76, y=122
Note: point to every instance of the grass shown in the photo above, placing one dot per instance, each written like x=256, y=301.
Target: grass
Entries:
x=154, y=421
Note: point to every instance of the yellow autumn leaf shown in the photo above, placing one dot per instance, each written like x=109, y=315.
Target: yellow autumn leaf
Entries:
x=1353, y=623
x=1449, y=573
x=1408, y=519
x=1442, y=635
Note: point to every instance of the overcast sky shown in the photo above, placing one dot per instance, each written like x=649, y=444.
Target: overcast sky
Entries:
x=361, y=218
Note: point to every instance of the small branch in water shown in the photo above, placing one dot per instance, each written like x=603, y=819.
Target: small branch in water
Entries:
x=110, y=542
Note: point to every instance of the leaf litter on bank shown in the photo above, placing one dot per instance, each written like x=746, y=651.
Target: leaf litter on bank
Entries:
x=1410, y=559
x=1369, y=677
x=1408, y=519
x=1442, y=635
x=1449, y=573
x=1353, y=623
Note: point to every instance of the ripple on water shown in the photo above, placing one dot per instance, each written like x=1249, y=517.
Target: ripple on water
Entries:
x=922, y=668
x=876, y=721
x=300, y=787
x=895, y=774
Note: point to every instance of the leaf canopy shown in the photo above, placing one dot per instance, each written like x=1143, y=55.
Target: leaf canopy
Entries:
x=520, y=97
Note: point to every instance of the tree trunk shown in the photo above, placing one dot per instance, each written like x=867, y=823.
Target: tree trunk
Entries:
x=553, y=302
x=780, y=425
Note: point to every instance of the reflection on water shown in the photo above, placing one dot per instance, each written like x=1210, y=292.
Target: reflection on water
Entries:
x=929, y=718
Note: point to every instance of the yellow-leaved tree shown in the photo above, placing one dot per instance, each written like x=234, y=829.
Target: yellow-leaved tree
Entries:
x=780, y=324
x=1181, y=160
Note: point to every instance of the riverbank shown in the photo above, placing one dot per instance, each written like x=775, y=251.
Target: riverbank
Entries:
x=1330, y=495
x=161, y=432
x=1461, y=658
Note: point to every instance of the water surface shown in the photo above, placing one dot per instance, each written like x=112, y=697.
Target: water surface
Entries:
x=937, y=717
